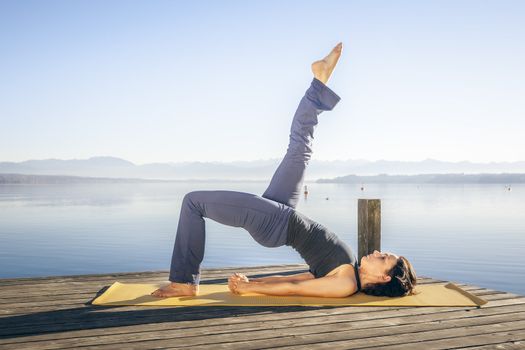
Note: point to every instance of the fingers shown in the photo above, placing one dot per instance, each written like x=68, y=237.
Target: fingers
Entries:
x=241, y=276
x=234, y=282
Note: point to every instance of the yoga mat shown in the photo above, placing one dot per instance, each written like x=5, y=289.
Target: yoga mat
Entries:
x=219, y=295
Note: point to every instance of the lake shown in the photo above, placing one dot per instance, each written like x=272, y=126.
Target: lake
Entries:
x=466, y=233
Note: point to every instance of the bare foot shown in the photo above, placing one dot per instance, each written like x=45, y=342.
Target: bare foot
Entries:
x=322, y=69
x=175, y=289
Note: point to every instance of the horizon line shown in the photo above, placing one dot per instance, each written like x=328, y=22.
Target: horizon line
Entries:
x=260, y=159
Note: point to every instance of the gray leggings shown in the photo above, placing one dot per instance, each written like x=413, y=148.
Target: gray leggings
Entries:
x=266, y=217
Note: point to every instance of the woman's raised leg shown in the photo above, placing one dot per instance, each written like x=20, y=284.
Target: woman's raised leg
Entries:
x=285, y=185
x=264, y=219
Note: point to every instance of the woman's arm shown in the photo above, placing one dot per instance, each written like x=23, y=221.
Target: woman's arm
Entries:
x=290, y=278
x=330, y=286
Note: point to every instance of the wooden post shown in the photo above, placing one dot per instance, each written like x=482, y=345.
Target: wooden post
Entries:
x=368, y=226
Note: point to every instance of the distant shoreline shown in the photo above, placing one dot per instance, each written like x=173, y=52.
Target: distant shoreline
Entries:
x=67, y=179
x=483, y=178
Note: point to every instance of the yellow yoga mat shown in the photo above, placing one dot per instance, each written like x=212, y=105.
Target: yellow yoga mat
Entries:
x=219, y=295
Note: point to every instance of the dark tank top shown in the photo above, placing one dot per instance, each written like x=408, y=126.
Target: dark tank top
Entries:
x=322, y=250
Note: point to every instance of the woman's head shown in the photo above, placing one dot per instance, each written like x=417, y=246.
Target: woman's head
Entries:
x=386, y=274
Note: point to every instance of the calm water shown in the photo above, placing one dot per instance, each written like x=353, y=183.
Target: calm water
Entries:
x=465, y=233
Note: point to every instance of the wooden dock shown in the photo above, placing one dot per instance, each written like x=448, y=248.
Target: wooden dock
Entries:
x=54, y=313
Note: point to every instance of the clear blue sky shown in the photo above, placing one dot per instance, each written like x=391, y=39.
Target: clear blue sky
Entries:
x=168, y=81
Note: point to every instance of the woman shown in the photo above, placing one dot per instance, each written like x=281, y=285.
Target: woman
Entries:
x=273, y=221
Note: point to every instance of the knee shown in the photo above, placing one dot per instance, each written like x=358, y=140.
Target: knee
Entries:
x=189, y=197
x=189, y=204
x=192, y=198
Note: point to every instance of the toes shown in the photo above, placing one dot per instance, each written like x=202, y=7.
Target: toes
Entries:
x=158, y=293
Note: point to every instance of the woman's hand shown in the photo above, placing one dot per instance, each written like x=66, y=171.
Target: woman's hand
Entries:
x=238, y=283
x=242, y=276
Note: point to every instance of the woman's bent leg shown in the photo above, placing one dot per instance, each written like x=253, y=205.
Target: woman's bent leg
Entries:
x=286, y=183
x=264, y=219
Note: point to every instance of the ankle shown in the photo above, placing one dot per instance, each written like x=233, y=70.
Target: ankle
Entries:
x=320, y=71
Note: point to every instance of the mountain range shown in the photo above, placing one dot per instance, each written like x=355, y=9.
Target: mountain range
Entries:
x=112, y=167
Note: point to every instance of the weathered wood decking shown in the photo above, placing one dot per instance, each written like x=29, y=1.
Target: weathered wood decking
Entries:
x=51, y=313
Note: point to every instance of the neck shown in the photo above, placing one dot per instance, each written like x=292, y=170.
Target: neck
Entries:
x=363, y=278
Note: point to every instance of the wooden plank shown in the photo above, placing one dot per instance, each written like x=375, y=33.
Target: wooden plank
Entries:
x=320, y=323
x=80, y=318
x=57, y=318
x=147, y=274
x=226, y=272
x=390, y=334
x=233, y=325
x=485, y=338
x=58, y=285
x=496, y=341
x=513, y=343
x=349, y=338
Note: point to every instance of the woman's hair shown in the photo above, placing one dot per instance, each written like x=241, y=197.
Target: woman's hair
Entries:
x=403, y=280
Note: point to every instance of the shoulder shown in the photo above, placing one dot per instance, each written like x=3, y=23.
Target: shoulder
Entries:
x=345, y=273
x=343, y=269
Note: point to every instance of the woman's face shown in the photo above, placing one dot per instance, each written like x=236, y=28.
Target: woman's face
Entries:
x=378, y=264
